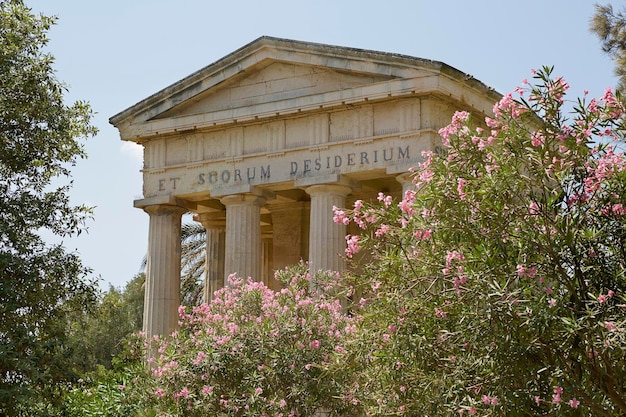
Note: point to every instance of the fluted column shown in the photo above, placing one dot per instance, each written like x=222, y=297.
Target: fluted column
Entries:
x=406, y=180
x=215, y=254
x=243, y=235
x=162, y=295
x=327, y=241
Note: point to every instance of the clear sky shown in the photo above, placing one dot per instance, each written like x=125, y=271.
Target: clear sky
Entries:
x=116, y=53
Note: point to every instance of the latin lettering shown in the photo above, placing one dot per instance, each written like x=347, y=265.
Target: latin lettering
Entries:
x=212, y=177
x=318, y=164
x=364, y=158
x=251, y=176
x=237, y=175
x=405, y=154
x=225, y=176
x=385, y=154
x=328, y=162
x=351, y=159
x=265, y=174
x=161, y=185
x=375, y=155
x=173, y=181
x=307, y=166
x=201, y=178
x=338, y=161
x=294, y=168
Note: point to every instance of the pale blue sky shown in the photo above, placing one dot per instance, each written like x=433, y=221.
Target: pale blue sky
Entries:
x=115, y=53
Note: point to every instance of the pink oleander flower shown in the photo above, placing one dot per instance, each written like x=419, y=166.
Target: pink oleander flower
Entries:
x=381, y=230
x=574, y=403
x=353, y=246
x=340, y=216
x=386, y=199
x=460, y=188
x=423, y=234
x=533, y=208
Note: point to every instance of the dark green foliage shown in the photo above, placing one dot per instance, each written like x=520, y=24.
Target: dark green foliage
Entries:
x=610, y=27
x=41, y=286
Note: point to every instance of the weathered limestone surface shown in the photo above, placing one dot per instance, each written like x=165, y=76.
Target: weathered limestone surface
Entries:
x=266, y=140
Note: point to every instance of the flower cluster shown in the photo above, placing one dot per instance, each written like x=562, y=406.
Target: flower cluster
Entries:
x=502, y=272
x=251, y=352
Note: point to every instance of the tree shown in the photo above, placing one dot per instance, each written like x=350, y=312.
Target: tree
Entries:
x=100, y=333
x=499, y=285
x=40, y=285
x=193, y=260
x=250, y=352
x=610, y=27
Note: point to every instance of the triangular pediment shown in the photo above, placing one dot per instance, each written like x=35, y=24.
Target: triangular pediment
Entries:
x=272, y=81
x=271, y=77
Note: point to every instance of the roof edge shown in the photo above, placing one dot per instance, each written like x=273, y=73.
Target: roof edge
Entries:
x=262, y=41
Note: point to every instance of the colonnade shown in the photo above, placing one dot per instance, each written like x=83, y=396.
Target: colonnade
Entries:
x=235, y=246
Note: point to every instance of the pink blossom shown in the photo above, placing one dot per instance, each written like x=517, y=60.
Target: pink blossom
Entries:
x=537, y=138
x=258, y=391
x=353, y=245
x=453, y=255
x=574, y=403
x=159, y=392
x=552, y=302
x=206, y=390
x=184, y=393
x=386, y=199
x=460, y=188
x=601, y=298
x=381, y=230
x=610, y=326
x=340, y=216
x=533, y=208
x=315, y=344
x=440, y=313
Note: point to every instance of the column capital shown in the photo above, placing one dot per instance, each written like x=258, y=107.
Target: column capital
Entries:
x=242, y=199
x=406, y=180
x=333, y=189
x=211, y=220
x=164, y=209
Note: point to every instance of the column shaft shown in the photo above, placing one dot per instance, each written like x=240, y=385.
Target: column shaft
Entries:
x=243, y=235
x=215, y=253
x=326, y=239
x=162, y=295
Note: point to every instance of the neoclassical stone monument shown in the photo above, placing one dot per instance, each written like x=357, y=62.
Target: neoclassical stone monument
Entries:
x=261, y=144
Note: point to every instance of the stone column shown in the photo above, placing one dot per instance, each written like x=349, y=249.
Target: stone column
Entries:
x=243, y=235
x=287, y=223
x=162, y=296
x=406, y=180
x=215, y=253
x=327, y=240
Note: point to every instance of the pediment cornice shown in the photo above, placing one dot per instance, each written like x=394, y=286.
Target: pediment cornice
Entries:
x=384, y=75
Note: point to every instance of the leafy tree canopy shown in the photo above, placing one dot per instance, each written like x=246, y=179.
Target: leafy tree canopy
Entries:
x=39, y=284
x=498, y=285
x=610, y=27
